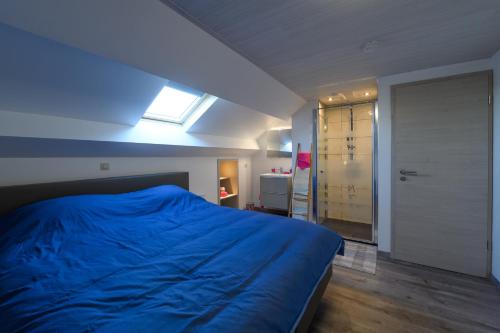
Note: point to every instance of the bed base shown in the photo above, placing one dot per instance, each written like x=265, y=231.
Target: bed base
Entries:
x=312, y=306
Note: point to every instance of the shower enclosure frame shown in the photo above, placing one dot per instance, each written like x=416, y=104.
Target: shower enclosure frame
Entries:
x=316, y=216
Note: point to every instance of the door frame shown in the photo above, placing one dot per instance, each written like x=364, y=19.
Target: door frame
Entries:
x=489, y=222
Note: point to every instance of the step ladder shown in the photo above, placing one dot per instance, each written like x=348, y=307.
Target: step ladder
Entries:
x=300, y=201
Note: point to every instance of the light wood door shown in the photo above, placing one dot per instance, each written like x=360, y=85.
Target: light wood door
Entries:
x=442, y=132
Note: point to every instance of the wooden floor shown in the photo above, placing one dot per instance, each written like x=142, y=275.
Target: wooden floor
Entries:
x=404, y=297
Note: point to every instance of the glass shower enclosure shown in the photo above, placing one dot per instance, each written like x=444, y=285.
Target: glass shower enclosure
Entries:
x=345, y=198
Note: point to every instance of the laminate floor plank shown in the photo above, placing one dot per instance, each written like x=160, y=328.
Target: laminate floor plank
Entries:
x=403, y=297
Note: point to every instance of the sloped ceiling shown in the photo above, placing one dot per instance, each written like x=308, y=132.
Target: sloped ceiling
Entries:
x=45, y=77
x=317, y=47
x=150, y=36
x=228, y=119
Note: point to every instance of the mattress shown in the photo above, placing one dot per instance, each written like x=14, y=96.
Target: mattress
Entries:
x=157, y=260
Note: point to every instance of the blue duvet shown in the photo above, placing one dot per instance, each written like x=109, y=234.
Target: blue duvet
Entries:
x=158, y=260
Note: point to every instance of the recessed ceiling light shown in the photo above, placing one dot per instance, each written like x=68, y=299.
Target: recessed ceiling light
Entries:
x=367, y=93
x=329, y=99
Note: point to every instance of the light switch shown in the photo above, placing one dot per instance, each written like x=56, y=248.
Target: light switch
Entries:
x=104, y=166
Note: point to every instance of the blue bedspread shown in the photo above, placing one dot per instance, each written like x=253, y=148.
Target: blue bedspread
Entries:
x=158, y=260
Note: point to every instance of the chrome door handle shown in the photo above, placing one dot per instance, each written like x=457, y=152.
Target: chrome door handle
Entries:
x=408, y=173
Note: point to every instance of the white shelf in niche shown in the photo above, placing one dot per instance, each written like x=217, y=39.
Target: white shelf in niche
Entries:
x=229, y=196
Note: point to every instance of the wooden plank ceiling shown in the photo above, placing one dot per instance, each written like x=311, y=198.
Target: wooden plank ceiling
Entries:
x=318, y=47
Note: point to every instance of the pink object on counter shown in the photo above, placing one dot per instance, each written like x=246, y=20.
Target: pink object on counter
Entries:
x=304, y=160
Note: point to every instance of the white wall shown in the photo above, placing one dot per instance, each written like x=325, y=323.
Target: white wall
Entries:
x=496, y=167
x=384, y=134
x=302, y=128
x=16, y=124
x=202, y=171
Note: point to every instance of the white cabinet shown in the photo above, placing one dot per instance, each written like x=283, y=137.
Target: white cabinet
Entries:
x=275, y=191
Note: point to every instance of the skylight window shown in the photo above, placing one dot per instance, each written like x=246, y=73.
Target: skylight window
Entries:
x=174, y=105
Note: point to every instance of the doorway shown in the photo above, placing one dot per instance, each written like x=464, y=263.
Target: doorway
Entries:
x=345, y=182
x=441, y=173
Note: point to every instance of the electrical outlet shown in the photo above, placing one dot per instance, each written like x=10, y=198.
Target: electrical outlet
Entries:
x=104, y=166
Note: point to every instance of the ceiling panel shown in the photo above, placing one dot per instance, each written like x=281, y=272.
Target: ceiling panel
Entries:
x=312, y=45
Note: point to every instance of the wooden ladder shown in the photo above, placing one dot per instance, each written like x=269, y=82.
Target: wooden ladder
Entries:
x=299, y=206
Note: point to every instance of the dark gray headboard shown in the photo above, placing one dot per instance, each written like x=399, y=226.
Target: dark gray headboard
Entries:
x=12, y=197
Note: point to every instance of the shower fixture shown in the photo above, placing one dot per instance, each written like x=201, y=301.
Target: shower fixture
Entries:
x=346, y=186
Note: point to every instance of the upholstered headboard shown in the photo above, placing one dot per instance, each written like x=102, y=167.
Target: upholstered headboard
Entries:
x=12, y=197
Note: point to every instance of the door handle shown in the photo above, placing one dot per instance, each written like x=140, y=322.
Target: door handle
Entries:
x=408, y=173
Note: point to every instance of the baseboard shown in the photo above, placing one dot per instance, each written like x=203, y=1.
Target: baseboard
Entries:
x=384, y=254
x=495, y=281
x=387, y=255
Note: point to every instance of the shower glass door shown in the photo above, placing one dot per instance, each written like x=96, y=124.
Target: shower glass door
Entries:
x=345, y=170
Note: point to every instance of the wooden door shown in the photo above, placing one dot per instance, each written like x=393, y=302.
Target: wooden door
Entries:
x=441, y=168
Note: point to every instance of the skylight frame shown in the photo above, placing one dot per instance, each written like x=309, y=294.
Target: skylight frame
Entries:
x=189, y=111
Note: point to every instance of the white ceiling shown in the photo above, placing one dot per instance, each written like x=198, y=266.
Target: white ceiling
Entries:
x=45, y=77
x=315, y=47
x=232, y=120
x=150, y=36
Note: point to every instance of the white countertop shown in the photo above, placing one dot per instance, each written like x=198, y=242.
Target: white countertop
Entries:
x=275, y=175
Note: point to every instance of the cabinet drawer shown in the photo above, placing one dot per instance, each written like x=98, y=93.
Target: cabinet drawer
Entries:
x=278, y=185
x=272, y=200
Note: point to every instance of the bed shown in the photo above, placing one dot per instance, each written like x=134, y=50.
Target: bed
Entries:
x=141, y=253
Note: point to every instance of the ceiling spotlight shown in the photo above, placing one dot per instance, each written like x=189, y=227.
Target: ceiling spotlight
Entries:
x=330, y=99
x=367, y=93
